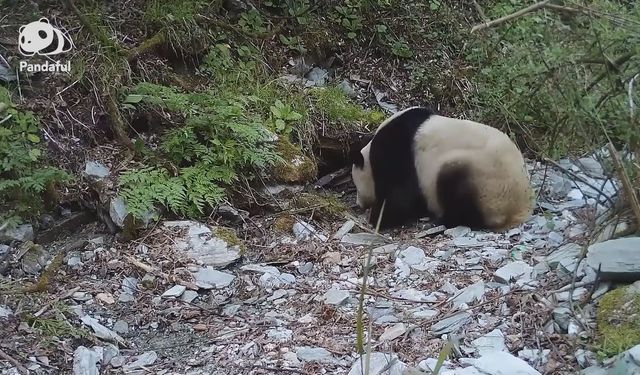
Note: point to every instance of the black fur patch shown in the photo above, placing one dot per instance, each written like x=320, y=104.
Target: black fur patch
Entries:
x=458, y=197
x=394, y=172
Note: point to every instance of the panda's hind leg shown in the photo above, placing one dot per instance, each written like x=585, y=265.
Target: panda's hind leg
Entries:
x=458, y=196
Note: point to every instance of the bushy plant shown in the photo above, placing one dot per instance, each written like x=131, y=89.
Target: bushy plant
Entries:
x=221, y=137
x=560, y=78
x=24, y=177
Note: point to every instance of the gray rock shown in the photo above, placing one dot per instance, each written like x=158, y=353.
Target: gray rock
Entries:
x=379, y=364
x=451, y=324
x=174, y=291
x=110, y=351
x=126, y=297
x=362, y=239
x=591, y=167
x=594, y=370
x=141, y=361
x=74, y=261
x=575, y=296
x=85, y=361
x=570, y=252
x=21, y=233
x=96, y=169
x=344, y=229
x=457, y=231
x=393, y=332
x=562, y=316
x=514, y=271
x=619, y=259
x=627, y=363
x=280, y=334
x=208, y=278
x=121, y=327
x=189, y=295
x=35, y=259
x=335, y=296
x=431, y=231
x=118, y=211
x=7, y=74
x=202, y=244
x=271, y=280
x=5, y=312
x=347, y=88
x=473, y=292
x=424, y=313
x=534, y=356
x=392, y=108
x=314, y=354
x=585, y=358
x=118, y=361
x=318, y=76
x=466, y=242
x=502, y=363
x=130, y=285
x=305, y=231
x=492, y=341
x=412, y=255
x=101, y=331
x=306, y=268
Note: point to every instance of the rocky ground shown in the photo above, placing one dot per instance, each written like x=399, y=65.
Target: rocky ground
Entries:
x=192, y=298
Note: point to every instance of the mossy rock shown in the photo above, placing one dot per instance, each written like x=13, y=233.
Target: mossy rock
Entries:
x=618, y=320
x=325, y=207
x=296, y=166
x=283, y=224
x=230, y=236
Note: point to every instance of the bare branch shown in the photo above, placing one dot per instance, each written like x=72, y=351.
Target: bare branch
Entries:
x=511, y=16
x=626, y=183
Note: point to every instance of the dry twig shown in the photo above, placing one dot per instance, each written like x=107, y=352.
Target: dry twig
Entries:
x=511, y=16
x=14, y=362
x=157, y=272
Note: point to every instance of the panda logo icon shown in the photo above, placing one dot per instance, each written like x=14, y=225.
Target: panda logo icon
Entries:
x=40, y=37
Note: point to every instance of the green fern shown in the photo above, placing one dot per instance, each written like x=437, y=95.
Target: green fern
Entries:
x=222, y=136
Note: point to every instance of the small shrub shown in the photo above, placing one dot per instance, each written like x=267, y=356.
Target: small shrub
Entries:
x=560, y=80
x=24, y=177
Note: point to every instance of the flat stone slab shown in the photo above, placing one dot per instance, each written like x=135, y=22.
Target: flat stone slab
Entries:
x=619, y=259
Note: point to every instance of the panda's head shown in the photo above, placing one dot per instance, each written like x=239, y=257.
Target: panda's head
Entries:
x=363, y=177
x=36, y=36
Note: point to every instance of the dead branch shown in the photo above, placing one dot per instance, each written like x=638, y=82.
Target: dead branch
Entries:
x=511, y=16
x=626, y=183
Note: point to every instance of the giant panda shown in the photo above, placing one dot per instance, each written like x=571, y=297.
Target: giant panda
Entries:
x=458, y=172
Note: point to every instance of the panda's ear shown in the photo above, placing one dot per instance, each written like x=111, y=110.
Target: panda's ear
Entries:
x=44, y=19
x=21, y=28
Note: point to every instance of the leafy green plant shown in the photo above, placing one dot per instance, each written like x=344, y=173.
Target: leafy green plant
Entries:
x=282, y=116
x=560, y=81
x=24, y=177
x=251, y=22
x=348, y=16
x=221, y=137
x=294, y=43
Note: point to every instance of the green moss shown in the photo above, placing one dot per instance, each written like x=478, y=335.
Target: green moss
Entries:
x=618, y=321
x=283, y=224
x=334, y=104
x=229, y=236
x=325, y=207
x=296, y=166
